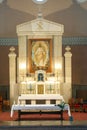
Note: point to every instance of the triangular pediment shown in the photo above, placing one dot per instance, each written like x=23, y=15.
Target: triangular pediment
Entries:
x=40, y=26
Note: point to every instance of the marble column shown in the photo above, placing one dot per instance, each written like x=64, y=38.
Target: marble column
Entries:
x=58, y=59
x=57, y=52
x=12, y=74
x=68, y=65
x=22, y=59
x=68, y=74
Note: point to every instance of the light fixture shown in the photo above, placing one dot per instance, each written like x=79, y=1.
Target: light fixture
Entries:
x=58, y=66
x=23, y=66
x=39, y=1
x=1, y=1
x=39, y=5
x=81, y=1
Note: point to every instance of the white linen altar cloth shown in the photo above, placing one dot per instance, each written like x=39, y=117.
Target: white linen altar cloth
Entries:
x=52, y=107
x=40, y=97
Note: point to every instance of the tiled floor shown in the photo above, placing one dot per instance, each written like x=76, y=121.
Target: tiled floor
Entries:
x=41, y=123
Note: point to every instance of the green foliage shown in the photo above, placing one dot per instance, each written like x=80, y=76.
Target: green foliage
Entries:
x=61, y=105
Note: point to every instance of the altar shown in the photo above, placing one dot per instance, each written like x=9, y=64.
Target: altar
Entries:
x=46, y=97
x=41, y=109
x=40, y=71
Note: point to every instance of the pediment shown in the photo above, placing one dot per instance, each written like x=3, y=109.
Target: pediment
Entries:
x=40, y=26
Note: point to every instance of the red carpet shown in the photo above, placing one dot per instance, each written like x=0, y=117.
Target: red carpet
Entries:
x=5, y=116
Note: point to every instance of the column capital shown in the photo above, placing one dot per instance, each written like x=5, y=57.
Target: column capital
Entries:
x=68, y=53
x=12, y=52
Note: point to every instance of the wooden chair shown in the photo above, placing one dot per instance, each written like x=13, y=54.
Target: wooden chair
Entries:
x=71, y=103
x=1, y=103
x=78, y=104
x=85, y=107
x=6, y=104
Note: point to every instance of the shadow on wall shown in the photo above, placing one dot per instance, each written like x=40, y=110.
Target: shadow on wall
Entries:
x=80, y=91
x=4, y=92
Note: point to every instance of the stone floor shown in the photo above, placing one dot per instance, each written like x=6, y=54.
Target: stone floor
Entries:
x=42, y=123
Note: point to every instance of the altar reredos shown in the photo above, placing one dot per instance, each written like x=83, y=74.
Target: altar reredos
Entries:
x=40, y=26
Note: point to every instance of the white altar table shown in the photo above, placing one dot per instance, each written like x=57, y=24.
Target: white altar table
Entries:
x=34, y=97
x=39, y=108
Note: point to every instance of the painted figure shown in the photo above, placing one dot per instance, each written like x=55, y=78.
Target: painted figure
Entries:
x=40, y=56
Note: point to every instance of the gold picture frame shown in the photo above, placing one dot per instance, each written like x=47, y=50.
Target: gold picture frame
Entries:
x=40, y=55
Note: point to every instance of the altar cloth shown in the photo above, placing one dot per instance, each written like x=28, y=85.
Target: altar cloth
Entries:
x=40, y=107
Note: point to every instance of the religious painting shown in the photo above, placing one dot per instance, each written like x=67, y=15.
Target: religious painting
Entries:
x=40, y=55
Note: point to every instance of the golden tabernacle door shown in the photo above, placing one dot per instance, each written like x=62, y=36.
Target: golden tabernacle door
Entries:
x=40, y=89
